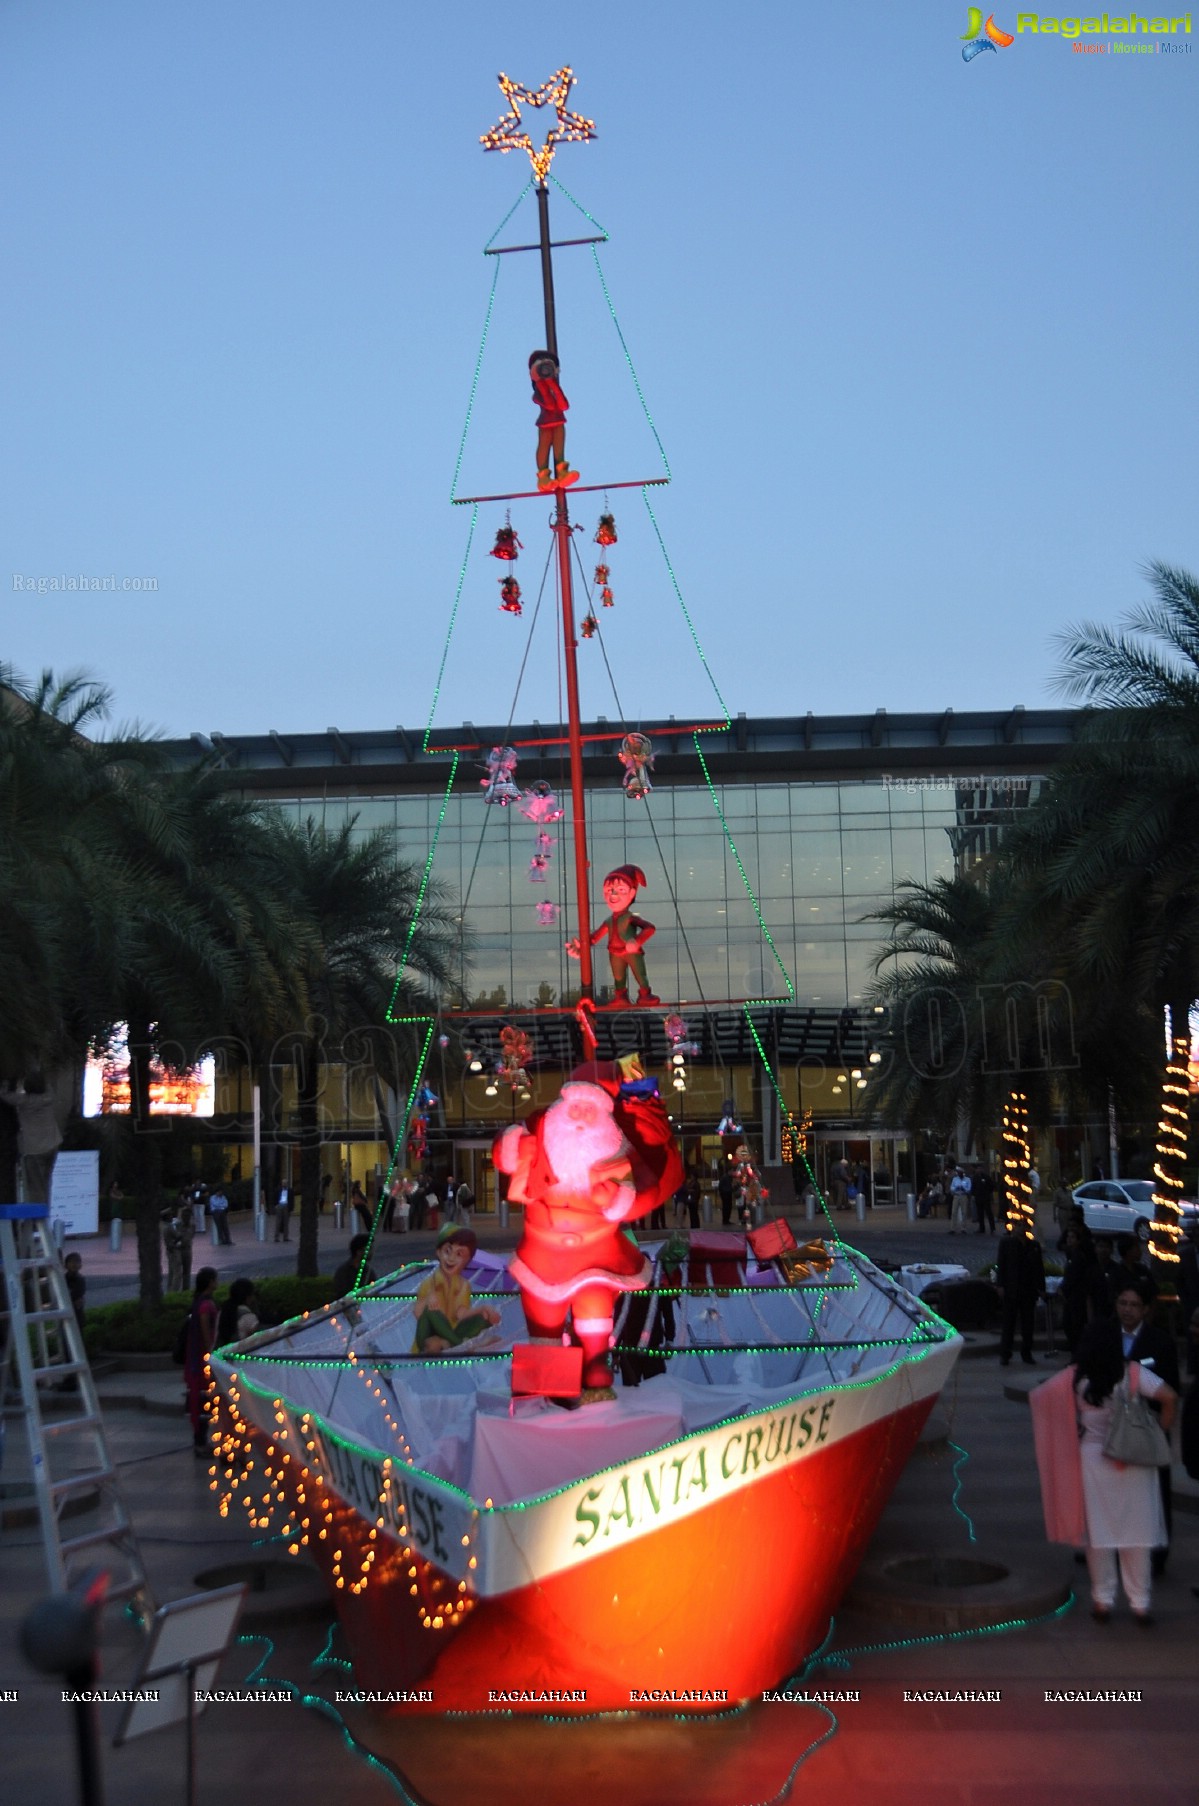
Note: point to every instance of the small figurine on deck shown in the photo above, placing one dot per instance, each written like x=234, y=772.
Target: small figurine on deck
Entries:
x=444, y=1318
x=626, y=934
x=551, y=423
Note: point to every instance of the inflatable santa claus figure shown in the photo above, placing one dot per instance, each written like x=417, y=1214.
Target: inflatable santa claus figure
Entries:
x=582, y=1168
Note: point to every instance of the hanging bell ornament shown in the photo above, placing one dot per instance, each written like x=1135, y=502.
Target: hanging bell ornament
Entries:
x=506, y=546
x=606, y=597
x=499, y=786
x=601, y=573
x=637, y=756
x=588, y=626
x=605, y=533
x=510, y=596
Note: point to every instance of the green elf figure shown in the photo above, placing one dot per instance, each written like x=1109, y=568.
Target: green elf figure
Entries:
x=626, y=935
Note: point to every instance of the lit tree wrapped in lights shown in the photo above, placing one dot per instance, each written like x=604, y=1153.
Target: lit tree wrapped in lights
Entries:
x=1166, y=1232
x=1017, y=1160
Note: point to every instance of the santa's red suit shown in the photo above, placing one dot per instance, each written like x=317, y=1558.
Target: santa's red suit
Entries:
x=584, y=1166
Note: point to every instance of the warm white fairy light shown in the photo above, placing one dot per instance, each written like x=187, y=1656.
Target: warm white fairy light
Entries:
x=508, y=133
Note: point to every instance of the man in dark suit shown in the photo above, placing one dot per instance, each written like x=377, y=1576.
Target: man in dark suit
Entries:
x=1020, y=1275
x=1141, y=1340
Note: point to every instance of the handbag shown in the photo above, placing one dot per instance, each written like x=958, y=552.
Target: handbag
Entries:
x=1134, y=1435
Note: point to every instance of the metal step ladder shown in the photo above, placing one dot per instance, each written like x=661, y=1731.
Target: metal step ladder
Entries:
x=68, y=1454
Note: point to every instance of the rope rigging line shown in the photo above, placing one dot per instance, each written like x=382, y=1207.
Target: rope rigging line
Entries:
x=508, y=726
x=445, y=650
x=474, y=384
x=649, y=814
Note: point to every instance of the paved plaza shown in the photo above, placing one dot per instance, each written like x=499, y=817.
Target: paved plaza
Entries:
x=885, y=1749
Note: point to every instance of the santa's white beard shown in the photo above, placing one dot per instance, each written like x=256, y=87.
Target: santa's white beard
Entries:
x=573, y=1153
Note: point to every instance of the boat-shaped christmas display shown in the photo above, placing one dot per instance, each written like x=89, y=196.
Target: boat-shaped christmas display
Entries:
x=677, y=1548
x=602, y=1473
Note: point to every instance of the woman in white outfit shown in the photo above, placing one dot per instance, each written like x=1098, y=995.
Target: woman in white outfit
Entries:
x=1123, y=1502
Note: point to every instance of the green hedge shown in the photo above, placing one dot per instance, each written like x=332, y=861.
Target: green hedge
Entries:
x=126, y=1328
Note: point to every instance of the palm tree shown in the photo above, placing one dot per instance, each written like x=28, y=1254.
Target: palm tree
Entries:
x=979, y=1014
x=1111, y=850
x=193, y=939
x=964, y=1024
x=365, y=911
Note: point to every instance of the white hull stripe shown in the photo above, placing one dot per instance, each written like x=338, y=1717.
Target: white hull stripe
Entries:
x=518, y=1545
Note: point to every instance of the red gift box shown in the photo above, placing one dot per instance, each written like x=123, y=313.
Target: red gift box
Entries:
x=716, y=1257
x=772, y=1239
x=540, y=1370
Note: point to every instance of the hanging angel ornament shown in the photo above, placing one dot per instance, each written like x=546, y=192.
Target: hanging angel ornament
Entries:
x=547, y=915
x=539, y=803
x=589, y=626
x=498, y=785
x=637, y=756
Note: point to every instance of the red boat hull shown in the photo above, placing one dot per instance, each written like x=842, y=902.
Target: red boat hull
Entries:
x=719, y=1604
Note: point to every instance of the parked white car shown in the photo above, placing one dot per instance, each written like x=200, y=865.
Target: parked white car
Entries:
x=1123, y=1206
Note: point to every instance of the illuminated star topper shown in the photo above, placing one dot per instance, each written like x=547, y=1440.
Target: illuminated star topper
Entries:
x=571, y=128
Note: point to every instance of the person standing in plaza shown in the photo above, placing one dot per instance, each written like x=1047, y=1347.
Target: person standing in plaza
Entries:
x=1020, y=1275
x=983, y=1193
x=839, y=1184
x=1123, y=1502
x=960, y=1200
x=1141, y=1340
x=1188, y=1290
x=359, y=1205
x=283, y=1206
x=199, y=1344
x=465, y=1201
x=218, y=1204
x=724, y=1189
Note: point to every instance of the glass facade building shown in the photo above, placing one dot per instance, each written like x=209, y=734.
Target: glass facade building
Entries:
x=769, y=866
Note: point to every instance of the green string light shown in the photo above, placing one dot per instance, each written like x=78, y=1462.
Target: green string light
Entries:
x=470, y=405
x=841, y=1658
x=590, y=217
x=963, y=1457
x=430, y=1024
x=749, y=889
x=315, y=1702
x=445, y=650
x=628, y=358
x=420, y=899
x=703, y=657
x=516, y=203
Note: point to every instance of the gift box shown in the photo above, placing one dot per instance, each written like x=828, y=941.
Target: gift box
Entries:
x=772, y=1239
x=716, y=1257
x=542, y=1370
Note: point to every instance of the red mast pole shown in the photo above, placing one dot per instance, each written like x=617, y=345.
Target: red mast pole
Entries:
x=578, y=796
x=562, y=531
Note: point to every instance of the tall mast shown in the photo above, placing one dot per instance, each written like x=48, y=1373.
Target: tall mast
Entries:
x=562, y=530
